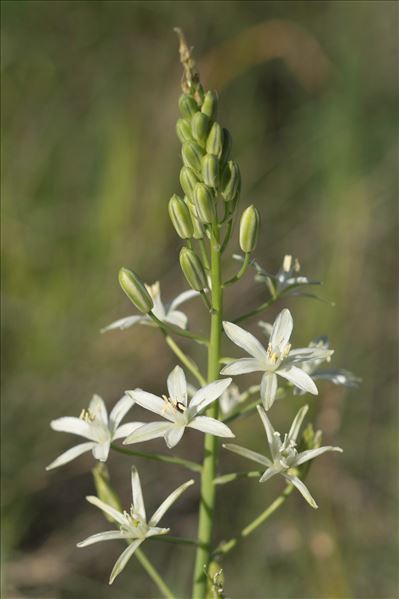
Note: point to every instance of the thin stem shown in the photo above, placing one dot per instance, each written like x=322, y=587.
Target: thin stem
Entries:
x=159, y=457
x=175, y=540
x=206, y=508
x=260, y=308
x=186, y=360
x=241, y=272
x=171, y=328
x=251, y=407
x=228, y=478
x=227, y=546
x=153, y=574
x=227, y=236
x=204, y=253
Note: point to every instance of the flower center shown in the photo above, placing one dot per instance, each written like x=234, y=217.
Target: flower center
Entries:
x=173, y=404
x=276, y=354
x=87, y=416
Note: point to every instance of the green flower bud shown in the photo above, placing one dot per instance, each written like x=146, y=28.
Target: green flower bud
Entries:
x=198, y=231
x=180, y=217
x=192, y=154
x=200, y=126
x=187, y=106
x=249, y=229
x=135, y=290
x=183, y=130
x=210, y=104
x=192, y=269
x=214, y=143
x=210, y=170
x=204, y=201
x=231, y=181
x=227, y=144
x=188, y=181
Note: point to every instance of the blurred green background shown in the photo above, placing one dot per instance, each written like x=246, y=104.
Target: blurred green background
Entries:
x=90, y=159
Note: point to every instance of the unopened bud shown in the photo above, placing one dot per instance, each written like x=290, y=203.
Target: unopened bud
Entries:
x=200, y=125
x=187, y=106
x=198, y=231
x=231, y=181
x=214, y=143
x=192, y=154
x=135, y=290
x=180, y=217
x=183, y=130
x=227, y=144
x=210, y=104
x=249, y=229
x=192, y=269
x=204, y=201
x=188, y=181
x=210, y=170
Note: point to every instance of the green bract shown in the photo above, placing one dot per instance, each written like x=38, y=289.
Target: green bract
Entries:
x=135, y=290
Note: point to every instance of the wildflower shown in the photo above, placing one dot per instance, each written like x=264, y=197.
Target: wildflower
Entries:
x=133, y=525
x=277, y=359
x=95, y=425
x=178, y=414
x=165, y=312
x=285, y=457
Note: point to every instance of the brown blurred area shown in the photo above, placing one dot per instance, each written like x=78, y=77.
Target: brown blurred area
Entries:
x=90, y=159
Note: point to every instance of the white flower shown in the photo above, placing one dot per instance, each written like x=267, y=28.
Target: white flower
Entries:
x=175, y=410
x=278, y=359
x=133, y=525
x=338, y=376
x=285, y=457
x=95, y=425
x=164, y=312
x=230, y=399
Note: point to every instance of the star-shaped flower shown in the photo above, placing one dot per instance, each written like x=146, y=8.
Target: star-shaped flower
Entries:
x=277, y=359
x=95, y=425
x=133, y=525
x=285, y=457
x=164, y=312
x=173, y=407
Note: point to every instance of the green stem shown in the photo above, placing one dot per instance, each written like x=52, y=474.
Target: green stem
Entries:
x=159, y=457
x=227, y=236
x=207, y=501
x=227, y=546
x=260, y=308
x=171, y=328
x=175, y=540
x=204, y=254
x=153, y=574
x=228, y=478
x=241, y=272
x=188, y=362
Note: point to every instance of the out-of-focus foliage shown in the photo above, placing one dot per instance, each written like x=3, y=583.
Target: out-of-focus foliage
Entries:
x=90, y=159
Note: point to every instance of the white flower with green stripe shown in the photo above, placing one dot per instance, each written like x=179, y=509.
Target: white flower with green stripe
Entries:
x=277, y=359
x=133, y=525
x=285, y=456
x=178, y=412
x=95, y=425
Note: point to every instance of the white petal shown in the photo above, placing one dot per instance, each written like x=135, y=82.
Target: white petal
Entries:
x=268, y=389
x=248, y=453
x=154, y=531
x=299, y=378
x=266, y=327
x=338, y=377
x=305, y=354
x=297, y=422
x=165, y=505
x=179, y=319
x=268, y=474
x=282, y=329
x=126, y=429
x=122, y=323
x=108, y=509
x=206, y=395
x=76, y=426
x=242, y=366
x=108, y=535
x=101, y=451
x=183, y=297
x=120, y=410
x=151, y=402
x=206, y=424
x=243, y=339
x=123, y=559
x=270, y=432
x=148, y=431
x=70, y=455
x=173, y=435
x=302, y=488
x=138, y=501
x=177, y=385
x=310, y=454
x=98, y=410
